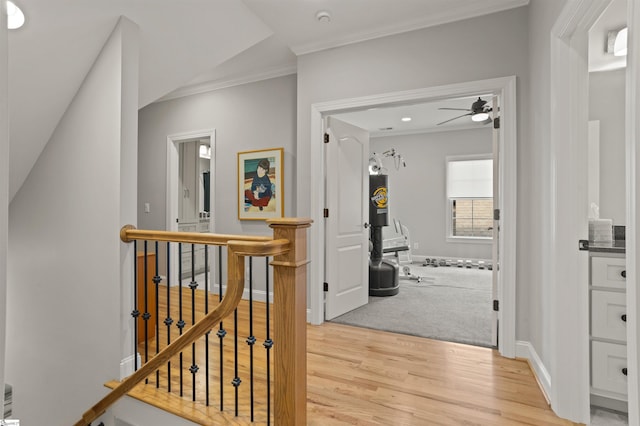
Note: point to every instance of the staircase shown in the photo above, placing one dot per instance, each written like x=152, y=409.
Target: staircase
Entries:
x=254, y=383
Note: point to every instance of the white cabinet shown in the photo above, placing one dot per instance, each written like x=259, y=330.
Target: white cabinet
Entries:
x=608, y=330
x=197, y=252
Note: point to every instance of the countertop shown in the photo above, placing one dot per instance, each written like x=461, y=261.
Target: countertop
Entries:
x=617, y=246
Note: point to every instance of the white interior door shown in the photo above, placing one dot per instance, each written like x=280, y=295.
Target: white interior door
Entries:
x=346, y=237
x=495, y=249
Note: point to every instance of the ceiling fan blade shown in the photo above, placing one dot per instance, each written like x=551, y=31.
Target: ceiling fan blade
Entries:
x=454, y=118
x=456, y=109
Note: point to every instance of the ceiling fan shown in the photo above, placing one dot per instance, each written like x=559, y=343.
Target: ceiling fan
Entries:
x=479, y=112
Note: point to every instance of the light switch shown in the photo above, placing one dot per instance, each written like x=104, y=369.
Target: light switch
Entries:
x=147, y=207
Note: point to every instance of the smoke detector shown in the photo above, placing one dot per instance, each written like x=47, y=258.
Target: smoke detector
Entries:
x=323, y=16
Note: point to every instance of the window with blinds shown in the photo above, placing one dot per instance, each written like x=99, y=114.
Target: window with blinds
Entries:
x=470, y=196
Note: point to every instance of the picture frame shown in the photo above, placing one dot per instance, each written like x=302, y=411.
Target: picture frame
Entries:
x=261, y=184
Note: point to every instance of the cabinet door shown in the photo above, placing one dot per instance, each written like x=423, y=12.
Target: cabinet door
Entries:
x=608, y=315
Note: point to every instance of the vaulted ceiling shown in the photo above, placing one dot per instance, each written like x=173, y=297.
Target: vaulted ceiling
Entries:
x=187, y=45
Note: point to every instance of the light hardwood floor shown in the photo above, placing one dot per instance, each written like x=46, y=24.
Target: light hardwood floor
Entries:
x=359, y=376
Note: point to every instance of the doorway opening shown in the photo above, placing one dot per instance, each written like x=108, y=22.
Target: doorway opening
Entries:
x=190, y=194
x=504, y=88
x=439, y=217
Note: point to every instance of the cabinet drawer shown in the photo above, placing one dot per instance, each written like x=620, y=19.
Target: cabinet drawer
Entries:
x=187, y=227
x=608, y=272
x=608, y=315
x=607, y=363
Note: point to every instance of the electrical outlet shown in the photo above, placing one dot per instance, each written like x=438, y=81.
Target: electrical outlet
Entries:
x=416, y=246
x=147, y=207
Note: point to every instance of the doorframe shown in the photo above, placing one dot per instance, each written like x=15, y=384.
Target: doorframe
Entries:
x=633, y=206
x=569, y=322
x=173, y=170
x=505, y=87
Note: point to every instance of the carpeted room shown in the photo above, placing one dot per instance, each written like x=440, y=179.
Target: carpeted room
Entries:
x=448, y=303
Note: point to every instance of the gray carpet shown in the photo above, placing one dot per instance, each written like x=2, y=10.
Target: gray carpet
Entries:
x=452, y=304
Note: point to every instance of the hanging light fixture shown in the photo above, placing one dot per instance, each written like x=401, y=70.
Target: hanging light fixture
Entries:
x=15, y=17
x=480, y=116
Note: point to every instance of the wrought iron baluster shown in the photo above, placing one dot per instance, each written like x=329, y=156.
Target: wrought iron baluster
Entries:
x=206, y=311
x=180, y=323
x=236, y=380
x=251, y=340
x=221, y=331
x=146, y=315
x=156, y=281
x=193, y=286
x=135, y=313
x=268, y=344
x=168, y=320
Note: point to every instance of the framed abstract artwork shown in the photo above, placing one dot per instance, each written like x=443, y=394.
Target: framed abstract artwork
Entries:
x=260, y=184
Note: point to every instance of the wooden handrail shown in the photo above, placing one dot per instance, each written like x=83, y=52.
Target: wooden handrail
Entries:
x=235, y=286
x=129, y=233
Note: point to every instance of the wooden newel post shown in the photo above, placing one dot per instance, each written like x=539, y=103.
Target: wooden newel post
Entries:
x=290, y=322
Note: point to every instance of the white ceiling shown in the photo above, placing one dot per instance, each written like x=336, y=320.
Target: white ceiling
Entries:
x=424, y=117
x=187, y=46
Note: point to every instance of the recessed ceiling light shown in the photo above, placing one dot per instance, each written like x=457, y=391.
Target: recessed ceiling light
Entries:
x=406, y=119
x=15, y=17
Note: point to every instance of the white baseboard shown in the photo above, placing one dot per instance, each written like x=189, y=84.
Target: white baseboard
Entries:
x=258, y=295
x=527, y=351
x=127, y=366
x=131, y=412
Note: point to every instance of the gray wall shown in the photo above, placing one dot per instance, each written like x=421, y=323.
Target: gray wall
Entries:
x=417, y=193
x=64, y=295
x=247, y=117
x=607, y=104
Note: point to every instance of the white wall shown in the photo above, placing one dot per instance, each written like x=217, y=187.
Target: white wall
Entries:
x=64, y=294
x=607, y=104
x=533, y=305
x=249, y=117
x=4, y=186
x=417, y=193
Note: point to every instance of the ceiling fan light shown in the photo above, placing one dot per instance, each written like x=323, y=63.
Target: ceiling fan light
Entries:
x=620, y=45
x=480, y=116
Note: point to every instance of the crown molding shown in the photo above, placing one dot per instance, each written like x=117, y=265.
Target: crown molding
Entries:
x=213, y=85
x=472, y=10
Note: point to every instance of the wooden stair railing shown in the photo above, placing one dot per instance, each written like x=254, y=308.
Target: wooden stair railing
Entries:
x=288, y=246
